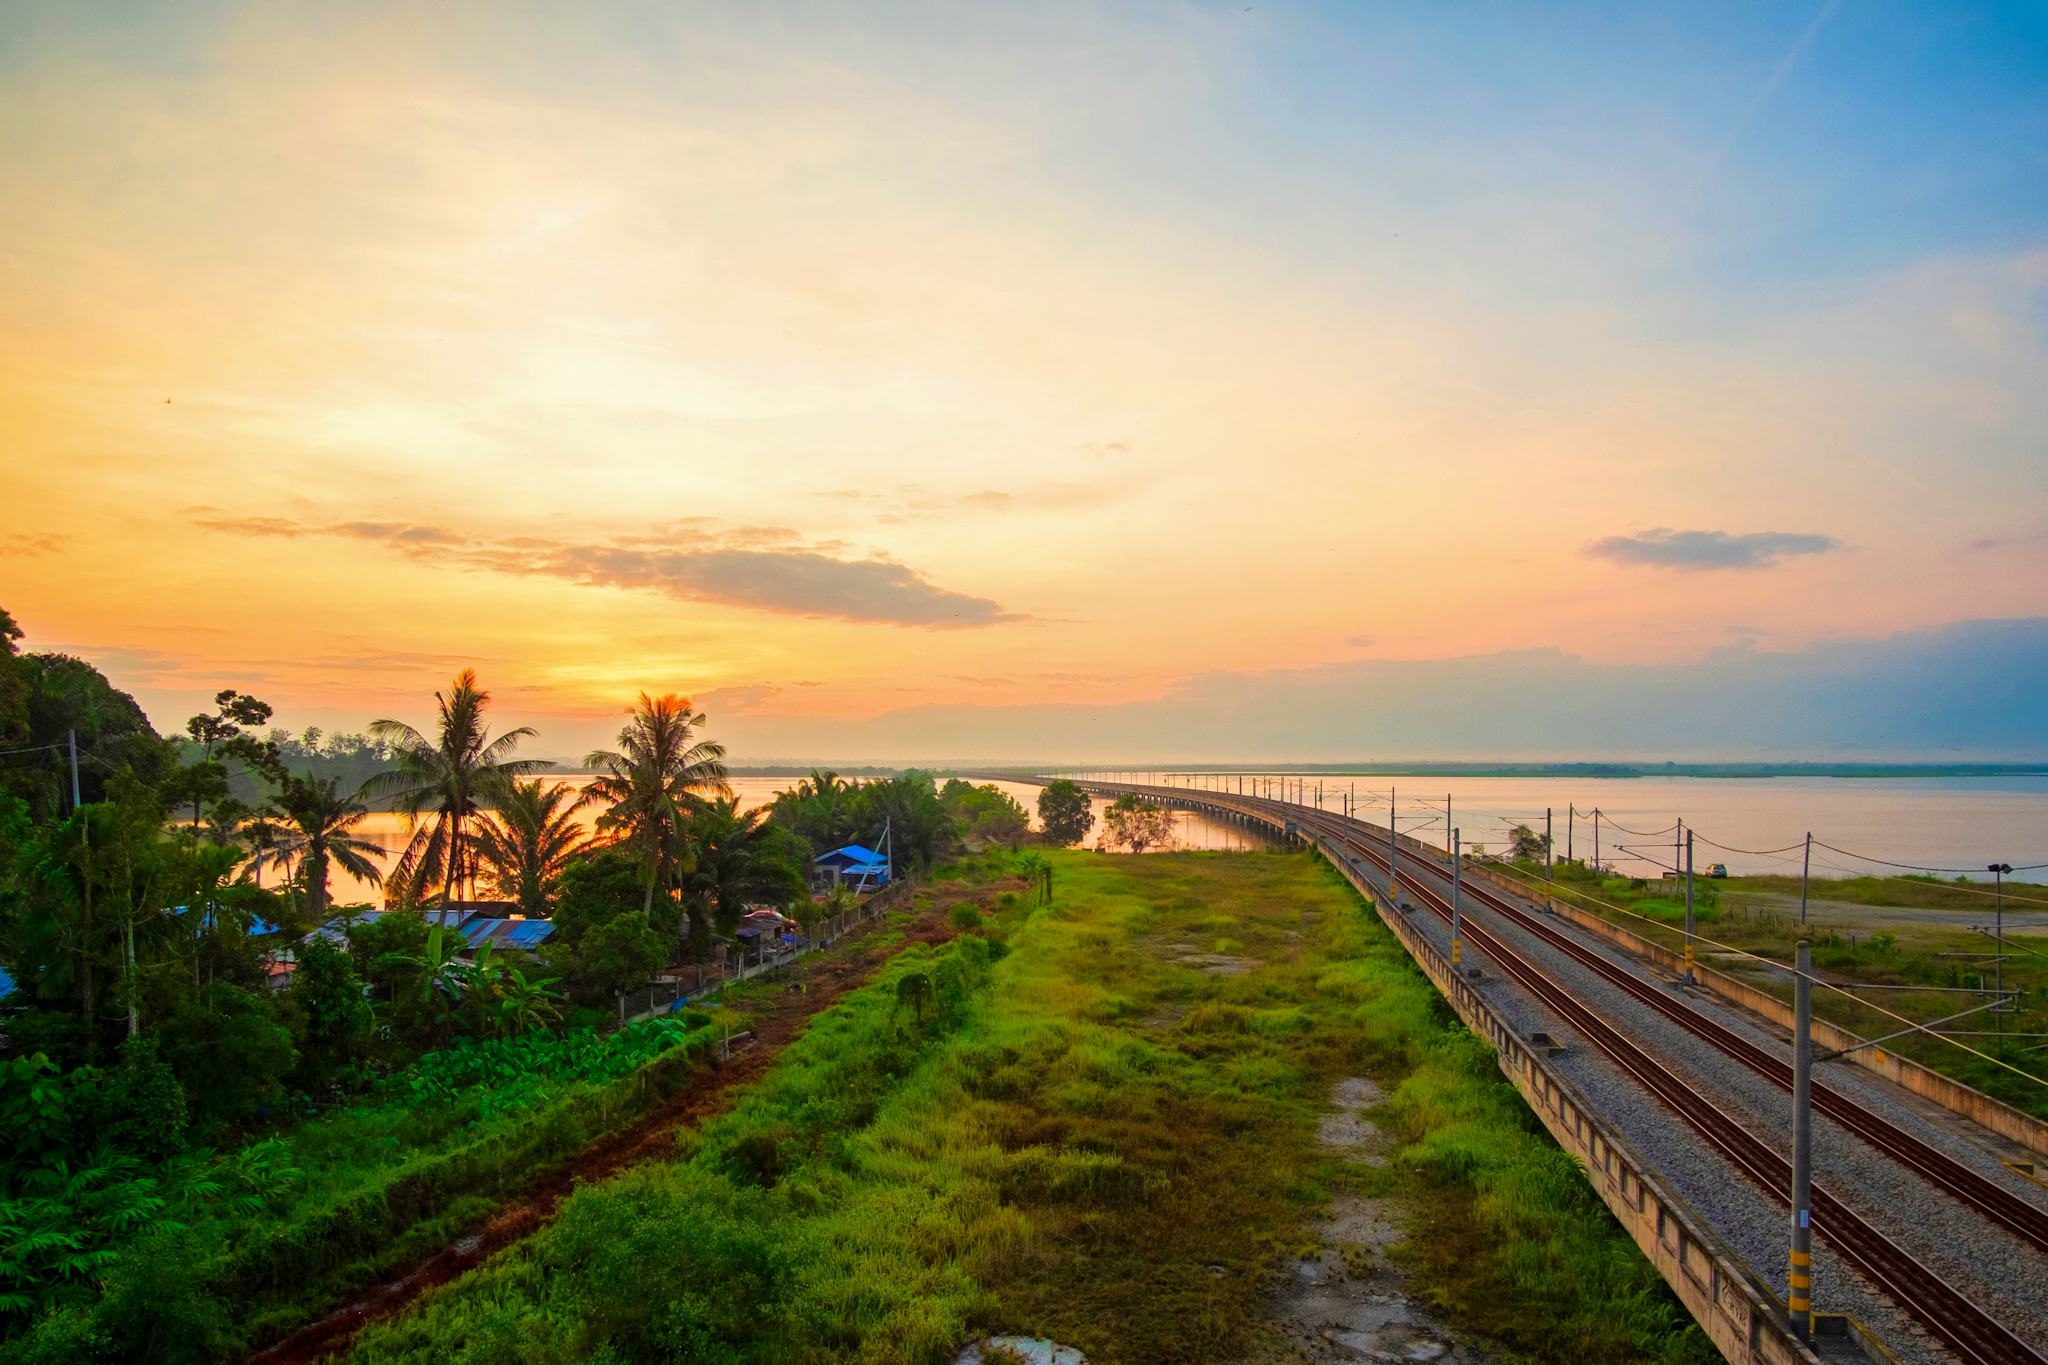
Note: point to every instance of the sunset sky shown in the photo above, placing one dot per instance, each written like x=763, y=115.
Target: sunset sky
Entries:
x=1066, y=381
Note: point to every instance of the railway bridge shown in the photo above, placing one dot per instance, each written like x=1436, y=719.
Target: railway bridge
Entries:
x=1676, y=1103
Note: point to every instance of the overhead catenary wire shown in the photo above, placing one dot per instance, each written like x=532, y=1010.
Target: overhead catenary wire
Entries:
x=1916, y=867
x=1771, y=964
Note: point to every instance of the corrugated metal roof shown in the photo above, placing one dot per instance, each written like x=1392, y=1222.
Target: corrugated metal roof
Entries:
x=258, y=926
x=854, y=853
x=529, y=933
x=477, y=928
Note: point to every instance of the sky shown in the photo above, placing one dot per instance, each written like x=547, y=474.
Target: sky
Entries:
x=1063, y=381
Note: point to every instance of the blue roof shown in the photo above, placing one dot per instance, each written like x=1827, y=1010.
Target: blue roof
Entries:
x=531, y=934
x=258, y=926
x=6, y=984
x=477, y=928
x=855, y=853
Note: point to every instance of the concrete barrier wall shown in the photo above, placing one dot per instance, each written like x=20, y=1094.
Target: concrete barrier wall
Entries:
x=1953, y=1095
x=1735, y=1308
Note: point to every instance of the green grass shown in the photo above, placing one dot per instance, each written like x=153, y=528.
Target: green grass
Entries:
x=1086, y=1137
x=385, y=1180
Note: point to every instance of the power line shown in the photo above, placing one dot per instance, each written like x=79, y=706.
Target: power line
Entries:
x=1916, y=867
x=1751, y=852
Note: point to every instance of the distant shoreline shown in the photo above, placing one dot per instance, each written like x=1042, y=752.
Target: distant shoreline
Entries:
x=1418, y=769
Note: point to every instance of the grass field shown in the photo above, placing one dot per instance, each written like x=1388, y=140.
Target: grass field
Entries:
x=1093, y=1120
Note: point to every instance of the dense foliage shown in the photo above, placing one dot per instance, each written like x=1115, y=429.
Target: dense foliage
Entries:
x=1065, y=813
x=189, y=1015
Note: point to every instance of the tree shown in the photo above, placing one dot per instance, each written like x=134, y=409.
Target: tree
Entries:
x=1065, y=812
x=13, y=687
x=230, y=1056
x=600, y=888
x=740, y=858
x=823, y=809
x=985, y=816
x=319, y=822
x=448, y=779
x=225, y=731
x=514, y=1004
x=652, y=782
x=1525, y=845
x=528, y=841
x=1130, y=823
x=335, y=1018
x=91, y=878
x=614, y=956
x=115, y=739
x=907, y=806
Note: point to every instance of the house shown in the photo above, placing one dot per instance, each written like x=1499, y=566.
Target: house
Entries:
x=856, y=866
x=259, y=927
x=509, y=931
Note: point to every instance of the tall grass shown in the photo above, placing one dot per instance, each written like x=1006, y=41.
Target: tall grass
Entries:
x=1097, y=1132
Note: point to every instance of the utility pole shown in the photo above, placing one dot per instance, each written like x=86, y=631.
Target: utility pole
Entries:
x=1393, y=854
x=1571, y=827
x=1805, y=874
x=1800, y=1281
x=75, y=801
x=1447, y=820
x=1688, y=907
x=1596, y=847
x=1546, y=843
x=1457, y=919
x=1998, y=871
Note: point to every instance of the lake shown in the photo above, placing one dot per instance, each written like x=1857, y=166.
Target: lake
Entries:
x=1958, y=823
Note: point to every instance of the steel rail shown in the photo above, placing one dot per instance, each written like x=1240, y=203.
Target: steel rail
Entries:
x=2025, y=1220
x=1945, y=1311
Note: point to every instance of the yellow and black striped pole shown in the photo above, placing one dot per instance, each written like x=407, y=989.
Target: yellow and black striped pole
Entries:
x=1688, y=907
x=1457, y=913
x=1801, y=1279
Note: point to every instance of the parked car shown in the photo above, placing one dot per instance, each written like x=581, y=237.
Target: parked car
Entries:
x=1717, y=869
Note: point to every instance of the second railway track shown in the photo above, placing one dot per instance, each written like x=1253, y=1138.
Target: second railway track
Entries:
x=1948, y=1314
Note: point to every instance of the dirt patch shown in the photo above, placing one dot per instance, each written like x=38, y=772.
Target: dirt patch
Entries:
x=1019, y=1351
x=1346, y=1302
x=1346, y=1129
x=779, y=1019
x=1221, y=964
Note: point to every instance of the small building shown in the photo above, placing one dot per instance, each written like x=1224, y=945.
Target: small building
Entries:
x=509, y=931
x=855, y=865
x=259, y=927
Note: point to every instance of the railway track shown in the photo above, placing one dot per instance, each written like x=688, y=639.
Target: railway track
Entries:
x=2023, y=1219
x=1947, y=1313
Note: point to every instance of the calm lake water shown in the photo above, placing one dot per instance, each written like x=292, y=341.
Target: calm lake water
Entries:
x=1962, y=823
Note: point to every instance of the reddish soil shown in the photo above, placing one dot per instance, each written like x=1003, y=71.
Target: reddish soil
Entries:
x=778, y=1019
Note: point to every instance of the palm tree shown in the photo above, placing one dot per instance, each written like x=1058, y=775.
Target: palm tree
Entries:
x=824, y=808
x=448, y=779
x=264, y=832
x=533, y=837
x=742, y=858
x=319, y=825
x=652, y=782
